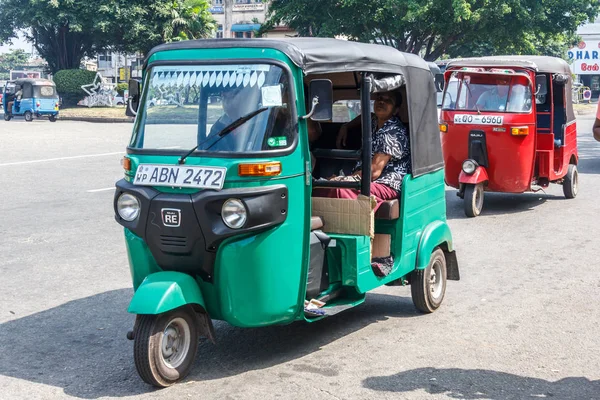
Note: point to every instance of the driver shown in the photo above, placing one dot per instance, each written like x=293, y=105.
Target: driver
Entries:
x=232, y=110
x=15, y=99
x=494, y=99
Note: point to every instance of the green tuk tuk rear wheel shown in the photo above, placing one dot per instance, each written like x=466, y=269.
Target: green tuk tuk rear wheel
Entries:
x=428, y=286
x=165, y=346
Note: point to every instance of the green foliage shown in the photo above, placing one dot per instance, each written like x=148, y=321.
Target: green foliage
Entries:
x=121, y=88
x=13, y=59
x=433, y=28
x=68, y=84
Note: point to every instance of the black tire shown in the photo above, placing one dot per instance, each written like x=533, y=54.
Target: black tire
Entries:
x=571, y=182
x=148, y=352
x=7, y=117
x=473, y=200
x=52, y=118
x=425, y=297
x=28, y=116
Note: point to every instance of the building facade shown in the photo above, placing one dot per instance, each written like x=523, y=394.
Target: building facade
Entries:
x=118, y=67
x=585, y=57
x=243, y=19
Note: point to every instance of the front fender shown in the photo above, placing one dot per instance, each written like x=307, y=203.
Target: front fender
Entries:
x=164, y=291
x=434, y=235
x=480, y=175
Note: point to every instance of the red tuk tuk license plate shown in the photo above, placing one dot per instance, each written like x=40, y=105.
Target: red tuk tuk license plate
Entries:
x=190, y=176
x=478, y=119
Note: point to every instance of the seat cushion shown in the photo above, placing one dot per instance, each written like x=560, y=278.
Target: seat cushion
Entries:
x=316, y=223
x=389, y=209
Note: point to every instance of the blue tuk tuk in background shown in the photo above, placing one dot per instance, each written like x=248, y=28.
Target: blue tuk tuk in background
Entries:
x=30, y=98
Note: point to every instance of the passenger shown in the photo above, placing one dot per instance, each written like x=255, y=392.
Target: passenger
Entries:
x=390, y=160
x=494, y=99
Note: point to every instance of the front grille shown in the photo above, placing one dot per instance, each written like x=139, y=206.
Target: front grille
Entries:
x=173, y=241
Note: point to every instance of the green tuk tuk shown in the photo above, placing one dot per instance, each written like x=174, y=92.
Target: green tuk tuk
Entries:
x=216, y=200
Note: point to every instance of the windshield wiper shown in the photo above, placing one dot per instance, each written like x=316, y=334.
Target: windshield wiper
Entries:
x=224, y=132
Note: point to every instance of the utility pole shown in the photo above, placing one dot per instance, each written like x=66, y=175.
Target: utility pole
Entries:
x=228, y=11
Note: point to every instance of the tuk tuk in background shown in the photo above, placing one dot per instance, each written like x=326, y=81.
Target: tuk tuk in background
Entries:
x=217, y=205
x=30, y=98
x=438, y=79
x=507, y=124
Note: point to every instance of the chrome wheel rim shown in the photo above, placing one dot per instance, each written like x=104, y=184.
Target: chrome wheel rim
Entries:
x=436, y=284
x=175, y=343
x=575, y=182
x=478, y=198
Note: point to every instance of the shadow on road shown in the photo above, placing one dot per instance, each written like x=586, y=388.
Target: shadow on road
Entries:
x=483, y=384
x=81, y=347
x=498, y=203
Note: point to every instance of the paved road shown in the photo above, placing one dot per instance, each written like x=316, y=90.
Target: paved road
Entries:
x=522, y=323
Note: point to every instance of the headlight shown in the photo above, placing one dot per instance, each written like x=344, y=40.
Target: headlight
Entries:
x=234, y=213
x=469, y=166
x=128, y=207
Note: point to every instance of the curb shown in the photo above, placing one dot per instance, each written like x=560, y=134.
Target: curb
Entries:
x=96, y=120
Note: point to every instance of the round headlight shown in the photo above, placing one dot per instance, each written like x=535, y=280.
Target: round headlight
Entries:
x=234, y=213
x=128, y=207
x=469, y=166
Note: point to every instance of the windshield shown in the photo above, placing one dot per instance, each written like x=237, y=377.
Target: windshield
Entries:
x=490, y=93
x=187, y=106
x=45, y=92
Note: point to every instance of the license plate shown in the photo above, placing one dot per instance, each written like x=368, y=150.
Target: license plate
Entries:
x=180, y=176
x=478, y=119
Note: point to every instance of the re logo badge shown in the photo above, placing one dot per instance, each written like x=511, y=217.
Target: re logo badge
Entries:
x=171, y=217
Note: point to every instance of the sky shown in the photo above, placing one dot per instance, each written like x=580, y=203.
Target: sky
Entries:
x=18, y=43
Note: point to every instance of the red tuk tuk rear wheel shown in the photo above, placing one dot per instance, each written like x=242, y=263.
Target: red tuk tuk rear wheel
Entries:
x=428, y=286
x=165, y=346
x=571, y=182
x=473, y=200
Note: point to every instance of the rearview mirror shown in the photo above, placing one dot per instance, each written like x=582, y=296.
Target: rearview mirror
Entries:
x=322, y=107
x=133, y=102
x=541, y=85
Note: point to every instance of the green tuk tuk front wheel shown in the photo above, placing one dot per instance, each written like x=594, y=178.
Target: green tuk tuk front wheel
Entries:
x=165, y=346
x=428, y=286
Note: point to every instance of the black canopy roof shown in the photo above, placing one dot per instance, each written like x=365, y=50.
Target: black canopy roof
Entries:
x=539, y=63
x=317, y=55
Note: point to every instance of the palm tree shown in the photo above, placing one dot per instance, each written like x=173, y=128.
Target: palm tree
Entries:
x=187, y=19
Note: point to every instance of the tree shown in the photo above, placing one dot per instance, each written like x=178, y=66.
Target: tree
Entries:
x=65, y=31
x=13, y=59
x=433, y=28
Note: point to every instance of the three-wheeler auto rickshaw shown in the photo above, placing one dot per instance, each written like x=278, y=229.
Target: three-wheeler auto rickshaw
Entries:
x=507, y=124
x=217, y=202
x=30, y=98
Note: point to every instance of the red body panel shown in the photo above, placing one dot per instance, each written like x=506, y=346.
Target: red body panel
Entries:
x=510, y=158
x=480, y=175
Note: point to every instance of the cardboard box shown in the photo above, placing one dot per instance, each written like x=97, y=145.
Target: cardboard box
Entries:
x=354, y=217
x=380, y=247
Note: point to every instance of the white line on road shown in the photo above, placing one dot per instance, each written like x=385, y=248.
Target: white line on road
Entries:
x=101, y=190
x=61, y=158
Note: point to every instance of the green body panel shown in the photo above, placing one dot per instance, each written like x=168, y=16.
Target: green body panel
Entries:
x=259, y=279
x=164, y=291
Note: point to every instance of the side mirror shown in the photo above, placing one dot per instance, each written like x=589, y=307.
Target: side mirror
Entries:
x=541, y=85
x=321, y=100
x=133, y=102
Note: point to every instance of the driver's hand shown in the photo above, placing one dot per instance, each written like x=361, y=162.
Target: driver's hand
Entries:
x=340, y=142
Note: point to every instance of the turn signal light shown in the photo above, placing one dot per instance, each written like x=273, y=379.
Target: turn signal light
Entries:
x=260, y=169
x=522, y=131
x=126, y=163
x=444, y=128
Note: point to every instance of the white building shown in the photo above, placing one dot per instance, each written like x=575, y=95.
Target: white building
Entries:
x=118, y=67
x=585, y=57
x=243, y=18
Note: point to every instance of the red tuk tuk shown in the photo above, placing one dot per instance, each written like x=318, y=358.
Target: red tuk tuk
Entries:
x=507, y=124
